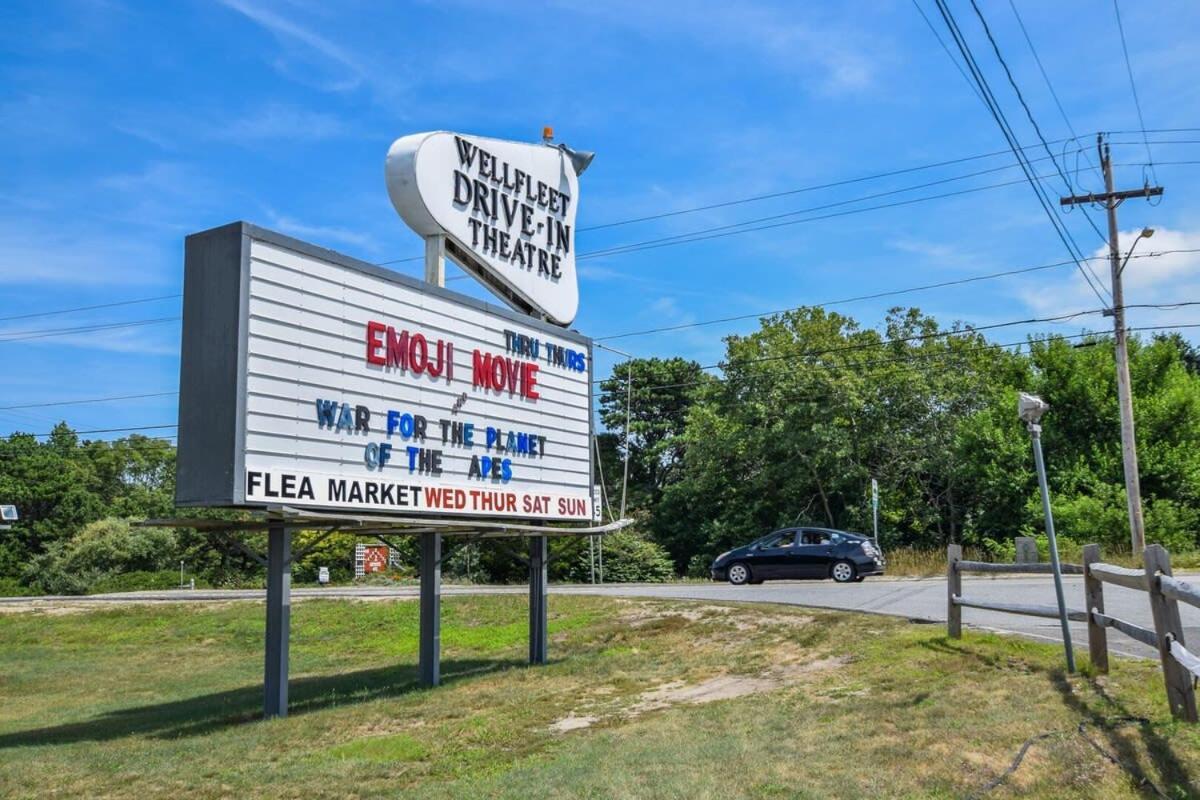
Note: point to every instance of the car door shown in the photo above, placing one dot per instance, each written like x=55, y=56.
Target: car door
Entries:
x=772, y=558
x=814, y=553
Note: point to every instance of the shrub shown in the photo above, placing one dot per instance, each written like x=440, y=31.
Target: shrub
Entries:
x=11, y=587
x=103, y=549
x=628, y=558
x=140, y=580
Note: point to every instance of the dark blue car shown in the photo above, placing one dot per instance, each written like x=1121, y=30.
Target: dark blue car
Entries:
x=793, y=553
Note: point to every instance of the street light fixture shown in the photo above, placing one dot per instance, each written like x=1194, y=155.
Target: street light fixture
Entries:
x=1145, y=234
x=1030, y=409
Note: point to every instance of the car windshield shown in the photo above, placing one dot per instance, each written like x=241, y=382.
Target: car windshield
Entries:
x=784, y=539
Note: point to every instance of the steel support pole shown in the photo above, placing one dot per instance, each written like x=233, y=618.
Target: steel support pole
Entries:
x=435, y=260
x=431, y=609
x=279, y=614
x=538, y=583
x=1035, y=433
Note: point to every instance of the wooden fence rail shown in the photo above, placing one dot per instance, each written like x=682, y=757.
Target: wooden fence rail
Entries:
x=1180, y=666
x=1049, y=612
x=1030, y=569
x=1143, y=635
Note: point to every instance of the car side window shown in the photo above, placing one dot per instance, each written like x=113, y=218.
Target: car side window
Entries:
x=815, y=537
x=785, y=539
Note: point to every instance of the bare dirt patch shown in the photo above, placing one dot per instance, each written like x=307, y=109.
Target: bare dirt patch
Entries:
x=572, y=723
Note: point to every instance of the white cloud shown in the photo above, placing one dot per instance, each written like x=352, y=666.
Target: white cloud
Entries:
x=300, y=45
x=321, y=233
x=829, y=57
x=1158, y=274
x=32, y=254
x=277, y=121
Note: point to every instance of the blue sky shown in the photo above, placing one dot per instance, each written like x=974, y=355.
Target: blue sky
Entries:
x=126, y=126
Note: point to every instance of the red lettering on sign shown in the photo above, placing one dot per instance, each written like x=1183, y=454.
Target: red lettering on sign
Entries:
x=500, y=373
x=374, y=329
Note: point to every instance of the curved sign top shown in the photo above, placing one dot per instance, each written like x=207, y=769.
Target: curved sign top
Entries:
x=507, y=210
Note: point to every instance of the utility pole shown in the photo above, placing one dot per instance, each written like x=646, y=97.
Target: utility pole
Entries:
x=1110, y=199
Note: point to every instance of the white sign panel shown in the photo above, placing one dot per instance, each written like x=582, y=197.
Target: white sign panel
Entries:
x=354, y=388
x=506, y=208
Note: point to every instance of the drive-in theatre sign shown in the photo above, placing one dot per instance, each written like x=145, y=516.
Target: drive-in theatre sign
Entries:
x=338, y=395
x=313, y=380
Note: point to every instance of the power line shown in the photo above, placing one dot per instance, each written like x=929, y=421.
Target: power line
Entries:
x=1012, y=82
x=974, y=329
x=722, y=231
x=114, y=430
x=92, y=308
x=1046, y=78
x=89, y=400
x=21, y=336
x=1001, y=121
x=877, y=295
x=946, y=49
x=1137, y=103
x=906, y=359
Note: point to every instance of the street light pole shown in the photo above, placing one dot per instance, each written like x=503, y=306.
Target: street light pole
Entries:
x=1031, y=409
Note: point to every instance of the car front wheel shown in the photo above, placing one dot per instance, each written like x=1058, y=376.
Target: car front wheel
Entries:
x=843, y=572
x=739, y=574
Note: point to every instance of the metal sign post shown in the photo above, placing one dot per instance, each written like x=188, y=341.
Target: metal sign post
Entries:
x=875, y=510
x=1031, y=410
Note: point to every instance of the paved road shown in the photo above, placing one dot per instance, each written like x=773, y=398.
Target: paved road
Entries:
x=915, y=599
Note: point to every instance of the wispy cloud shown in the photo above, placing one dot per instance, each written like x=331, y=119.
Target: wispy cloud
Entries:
x=32, y=254
x=322, y=233
x=302, y=47
x=828, y=57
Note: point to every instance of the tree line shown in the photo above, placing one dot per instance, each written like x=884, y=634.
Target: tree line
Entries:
x=811, y=406
x=805, y=412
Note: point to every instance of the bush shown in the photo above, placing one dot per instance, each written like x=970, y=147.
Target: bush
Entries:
x=102, y=550
x=140, y=580
x=628, y=558
x=11, y=587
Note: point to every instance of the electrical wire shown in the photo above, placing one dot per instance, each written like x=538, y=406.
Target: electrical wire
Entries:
x=1050, y=86
x=21, y=336
x=115, y=430
x=1137, y=103
x=911, y=358
x=1012, y=82
x=946, y=50
x=89, y=400
x=1001, y=121
x=92, y=308
x=877, y=295
x=974, y=329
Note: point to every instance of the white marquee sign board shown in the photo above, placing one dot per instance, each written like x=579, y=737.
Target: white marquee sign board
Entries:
x=506, y=208
x=309, y=379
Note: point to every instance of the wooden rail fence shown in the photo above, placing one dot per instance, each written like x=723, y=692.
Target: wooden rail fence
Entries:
x=1181, y=667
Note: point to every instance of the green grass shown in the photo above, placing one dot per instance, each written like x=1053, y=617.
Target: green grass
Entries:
x=149, y=702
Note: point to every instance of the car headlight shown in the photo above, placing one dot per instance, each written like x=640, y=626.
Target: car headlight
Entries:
x=718, y=558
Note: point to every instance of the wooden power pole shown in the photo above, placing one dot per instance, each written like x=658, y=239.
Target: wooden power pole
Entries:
x=1110, y=199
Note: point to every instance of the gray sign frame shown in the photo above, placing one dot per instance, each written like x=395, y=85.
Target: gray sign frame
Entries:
x=210, y=467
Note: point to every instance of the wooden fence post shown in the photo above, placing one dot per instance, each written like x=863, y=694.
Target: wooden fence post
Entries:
x=953, y=589
x=1093, y=589
x=1167, y=626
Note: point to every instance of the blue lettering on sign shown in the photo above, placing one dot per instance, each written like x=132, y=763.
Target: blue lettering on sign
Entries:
x=345, y=419
x=325, y=412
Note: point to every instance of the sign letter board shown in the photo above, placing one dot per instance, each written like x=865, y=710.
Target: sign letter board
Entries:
x=313, y=380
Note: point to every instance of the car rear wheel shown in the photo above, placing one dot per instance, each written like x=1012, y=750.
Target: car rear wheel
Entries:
x=843, y=572
x=739, y=574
